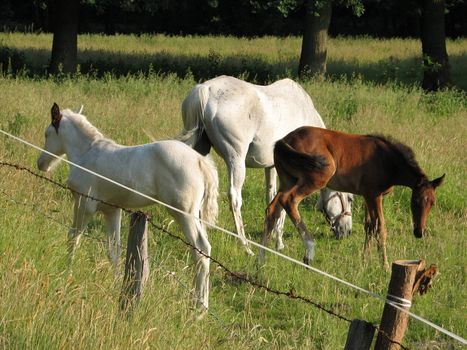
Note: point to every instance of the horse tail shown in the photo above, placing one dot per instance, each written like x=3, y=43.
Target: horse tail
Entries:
x=209, y=207
x=284, y=154
x=193, y=108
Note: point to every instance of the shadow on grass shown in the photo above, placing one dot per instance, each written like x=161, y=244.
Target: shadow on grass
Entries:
x=97, y=63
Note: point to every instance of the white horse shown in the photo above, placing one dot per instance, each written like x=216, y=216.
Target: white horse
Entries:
x=337, y=209
x=242, y=122
x=169, y=171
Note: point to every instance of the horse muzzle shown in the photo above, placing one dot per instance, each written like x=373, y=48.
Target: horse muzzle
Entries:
x=43, y=165
x=418, y=232
x=342, y=225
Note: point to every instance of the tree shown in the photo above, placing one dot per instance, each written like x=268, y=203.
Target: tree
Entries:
x=433, y=36
x=65, y=16
x=315, y=35
x=317, y=19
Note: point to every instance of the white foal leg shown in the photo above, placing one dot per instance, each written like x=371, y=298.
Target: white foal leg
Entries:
x=83, y=211
x=237, y=171
x=202, y=268
x=271, y=190
x=113, y=221
x=198, y=238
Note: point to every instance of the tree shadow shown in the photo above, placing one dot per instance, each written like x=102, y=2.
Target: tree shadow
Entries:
x=406, y=72
x=98, y=63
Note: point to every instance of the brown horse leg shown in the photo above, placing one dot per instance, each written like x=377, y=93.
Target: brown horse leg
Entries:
x=290, y=201
x=375, y=227
x=370, y=225
x=382, y=233
x=273, y=212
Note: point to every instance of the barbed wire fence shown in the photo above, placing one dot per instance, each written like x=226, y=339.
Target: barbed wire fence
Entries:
x=290, y=293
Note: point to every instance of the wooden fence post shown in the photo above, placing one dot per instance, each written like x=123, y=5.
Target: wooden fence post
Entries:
x=400, y=291
x=136, y=263
x=360, y=335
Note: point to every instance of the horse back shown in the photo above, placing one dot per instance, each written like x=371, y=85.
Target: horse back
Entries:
x=357, y=159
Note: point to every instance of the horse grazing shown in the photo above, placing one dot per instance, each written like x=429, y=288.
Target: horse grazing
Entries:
x=310, y=158
x=169, y=171
x=242, y=121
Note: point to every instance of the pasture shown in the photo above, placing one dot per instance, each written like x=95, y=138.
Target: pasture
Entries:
x=132, y=88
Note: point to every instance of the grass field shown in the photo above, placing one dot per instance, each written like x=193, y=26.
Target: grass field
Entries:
x=132, y=88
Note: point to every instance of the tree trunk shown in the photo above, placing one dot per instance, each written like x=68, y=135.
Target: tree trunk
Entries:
x=65, y=39
x=435, y=58
x=314, y=44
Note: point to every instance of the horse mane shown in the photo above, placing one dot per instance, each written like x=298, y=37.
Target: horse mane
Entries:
x=402, y=150
x=83, y=124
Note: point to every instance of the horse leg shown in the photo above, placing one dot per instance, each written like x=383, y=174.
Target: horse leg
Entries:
x=201, y=249
x=381, y=232
x=375, y=227
x=237, y=171
x=290, y=201
x=271, y=190
x=113, y=221
x=369, y=227
x=273, y=212
x=82, y=213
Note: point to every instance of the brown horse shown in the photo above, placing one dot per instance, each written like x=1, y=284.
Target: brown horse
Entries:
x=309, y=158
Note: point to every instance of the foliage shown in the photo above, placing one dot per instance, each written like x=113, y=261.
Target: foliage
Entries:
x=395, y=18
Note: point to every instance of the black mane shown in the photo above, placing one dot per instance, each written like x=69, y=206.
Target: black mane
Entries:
x=401, y=149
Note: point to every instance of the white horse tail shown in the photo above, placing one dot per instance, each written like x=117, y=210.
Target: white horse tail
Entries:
x=209, y=207
x=193, y=107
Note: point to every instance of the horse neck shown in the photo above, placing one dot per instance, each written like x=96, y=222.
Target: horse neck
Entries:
x=77, y=139
x=409, y=176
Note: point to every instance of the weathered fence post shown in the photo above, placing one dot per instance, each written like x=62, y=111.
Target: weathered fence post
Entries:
x=136, y=263
x=400, y=291
x=360, y=335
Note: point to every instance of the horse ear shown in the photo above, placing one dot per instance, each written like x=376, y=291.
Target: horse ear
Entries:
x=438, y=182
x=79, y=110
x=56, y=116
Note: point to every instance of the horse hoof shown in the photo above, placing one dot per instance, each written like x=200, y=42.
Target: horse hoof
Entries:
x=249, y=251
x=306, y=261
x=280, y=247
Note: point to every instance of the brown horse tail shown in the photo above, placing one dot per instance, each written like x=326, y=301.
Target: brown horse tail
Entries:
x=286, y=155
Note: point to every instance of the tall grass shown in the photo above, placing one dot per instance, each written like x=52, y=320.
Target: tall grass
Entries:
x=42, y=306
x=259, y=59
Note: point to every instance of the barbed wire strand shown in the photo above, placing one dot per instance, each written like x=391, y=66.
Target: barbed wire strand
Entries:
x=419, y=318
x=291, y=293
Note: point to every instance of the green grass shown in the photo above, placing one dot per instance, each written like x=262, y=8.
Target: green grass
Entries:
x=41, y=307
x=258, y=59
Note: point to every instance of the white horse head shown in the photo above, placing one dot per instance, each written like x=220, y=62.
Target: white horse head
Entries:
x=58, y=135
x=337, y=207
x=53, y=143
